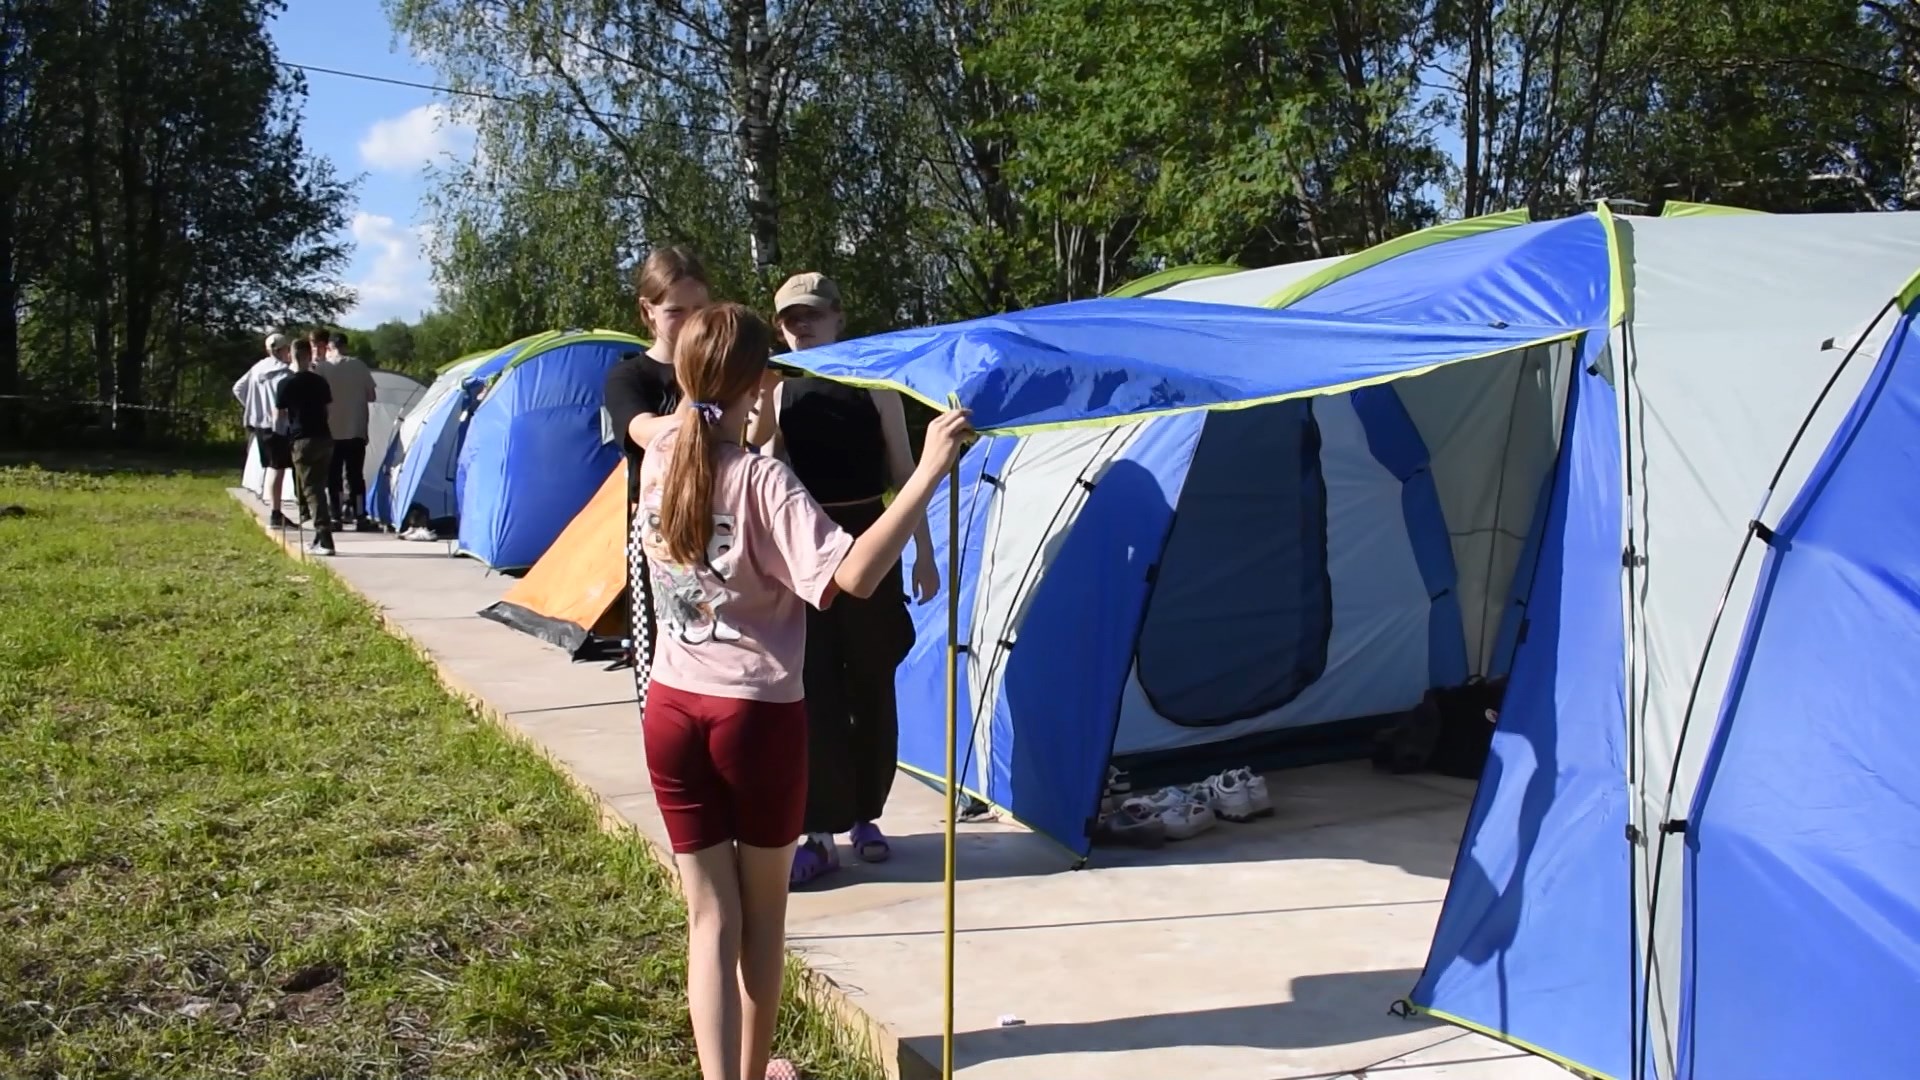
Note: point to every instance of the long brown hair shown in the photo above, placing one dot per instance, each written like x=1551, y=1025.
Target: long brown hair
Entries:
x=664, y=268
x=720, y=358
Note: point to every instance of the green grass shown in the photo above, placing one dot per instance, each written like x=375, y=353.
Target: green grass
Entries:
x=243, y=832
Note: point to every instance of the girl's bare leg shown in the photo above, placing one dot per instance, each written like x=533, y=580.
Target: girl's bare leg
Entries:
x=710, y=881
x=763, y=950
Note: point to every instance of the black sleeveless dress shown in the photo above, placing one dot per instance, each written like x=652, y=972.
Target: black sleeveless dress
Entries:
x=835, y=443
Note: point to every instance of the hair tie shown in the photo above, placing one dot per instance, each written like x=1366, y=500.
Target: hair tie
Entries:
x=708, y=412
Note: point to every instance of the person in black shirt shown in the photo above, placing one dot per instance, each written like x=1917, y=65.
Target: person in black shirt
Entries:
x=639, y=387
x=301, y=402
x=639, y=398
x=847, y=446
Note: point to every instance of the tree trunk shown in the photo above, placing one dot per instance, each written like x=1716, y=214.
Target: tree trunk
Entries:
x=756, y=137
x=1910, y=167
x=9, y=310
x=100, y=274
x=138, y=263
x=1472, y=192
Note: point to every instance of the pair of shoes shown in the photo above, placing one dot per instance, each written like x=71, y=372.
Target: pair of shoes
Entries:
x=322, y=545
x=869, y=842
x=812, y=860
x=1131, y=823
x=1237, y=795
x=1183, y=814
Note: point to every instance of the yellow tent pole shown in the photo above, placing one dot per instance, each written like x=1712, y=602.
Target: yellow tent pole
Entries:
x=953, y=733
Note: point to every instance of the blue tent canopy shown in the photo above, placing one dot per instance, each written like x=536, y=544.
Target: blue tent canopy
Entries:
x=1107, y=361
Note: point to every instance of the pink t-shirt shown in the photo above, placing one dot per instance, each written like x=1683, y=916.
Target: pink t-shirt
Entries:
x=736, y=627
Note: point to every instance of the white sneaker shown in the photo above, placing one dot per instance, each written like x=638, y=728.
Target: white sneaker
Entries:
x=1256, y=788
x=320, y=547
x=1183, y=816
x=1226, y=795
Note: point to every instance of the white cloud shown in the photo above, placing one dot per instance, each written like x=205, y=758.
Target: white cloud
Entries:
x=415, y=139
x=396, y=279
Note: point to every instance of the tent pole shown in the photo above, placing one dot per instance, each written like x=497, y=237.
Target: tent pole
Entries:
x=953, y=781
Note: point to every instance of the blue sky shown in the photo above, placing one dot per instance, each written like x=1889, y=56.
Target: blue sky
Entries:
x=384, y=135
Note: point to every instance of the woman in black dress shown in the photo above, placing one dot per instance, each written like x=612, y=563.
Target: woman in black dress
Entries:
x=849, y=448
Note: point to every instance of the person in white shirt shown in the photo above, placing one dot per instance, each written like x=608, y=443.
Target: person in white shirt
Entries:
x=353, y=390
x=254, y=391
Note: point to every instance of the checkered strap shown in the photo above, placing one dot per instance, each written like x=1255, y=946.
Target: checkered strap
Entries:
x=640, y=612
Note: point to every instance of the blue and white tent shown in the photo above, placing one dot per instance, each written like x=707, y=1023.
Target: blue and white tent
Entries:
x=423, y=489
x=1303, y=496
x=384, y=470
x=534, y=453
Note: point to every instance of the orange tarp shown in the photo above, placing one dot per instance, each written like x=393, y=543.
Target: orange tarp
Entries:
x=578, y=588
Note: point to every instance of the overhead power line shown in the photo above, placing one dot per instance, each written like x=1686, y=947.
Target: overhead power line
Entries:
x=506, y=99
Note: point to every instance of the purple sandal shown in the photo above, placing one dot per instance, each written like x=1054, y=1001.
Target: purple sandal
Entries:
x=870, y=843
x=811, y=861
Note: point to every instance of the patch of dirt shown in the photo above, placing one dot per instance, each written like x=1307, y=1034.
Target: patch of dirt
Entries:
x=312, y=1008
x=311, y=977
x=68, y=872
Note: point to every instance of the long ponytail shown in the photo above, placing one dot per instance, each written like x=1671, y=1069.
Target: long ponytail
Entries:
x=686, y=503
x=719, y=359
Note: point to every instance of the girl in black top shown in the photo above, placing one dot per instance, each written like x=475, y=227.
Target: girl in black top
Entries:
x=848, y=447
x=640, y=397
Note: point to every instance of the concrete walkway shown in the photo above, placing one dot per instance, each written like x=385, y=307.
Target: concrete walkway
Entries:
x=1269, y=951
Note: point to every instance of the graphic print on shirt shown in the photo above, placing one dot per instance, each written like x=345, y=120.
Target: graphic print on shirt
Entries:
x=689, y=605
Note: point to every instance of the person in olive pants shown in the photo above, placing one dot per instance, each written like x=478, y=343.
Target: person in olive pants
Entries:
x=301, y=402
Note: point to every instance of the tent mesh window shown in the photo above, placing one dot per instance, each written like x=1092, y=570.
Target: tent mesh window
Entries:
x=1241, y=611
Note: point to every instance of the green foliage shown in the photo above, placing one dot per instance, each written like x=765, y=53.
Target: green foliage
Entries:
x=948, y=158
x=163, y=137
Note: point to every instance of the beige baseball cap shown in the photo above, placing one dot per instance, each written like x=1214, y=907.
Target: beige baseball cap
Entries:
x=274, y=341
x=809, y=290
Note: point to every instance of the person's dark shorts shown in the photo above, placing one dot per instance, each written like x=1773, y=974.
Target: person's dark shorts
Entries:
x=725, y=769
x=275, y=451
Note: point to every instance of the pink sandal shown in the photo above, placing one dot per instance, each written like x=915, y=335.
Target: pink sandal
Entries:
x=782, y=1069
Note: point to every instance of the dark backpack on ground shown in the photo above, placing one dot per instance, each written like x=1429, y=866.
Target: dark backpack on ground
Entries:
x=1447, y=733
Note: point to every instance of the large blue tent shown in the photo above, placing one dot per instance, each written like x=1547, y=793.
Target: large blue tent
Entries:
x=423, y=489
x=534, y=452
x=1274, y=506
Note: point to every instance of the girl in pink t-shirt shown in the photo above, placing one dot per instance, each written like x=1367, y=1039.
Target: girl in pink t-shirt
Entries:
x=736, y=549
